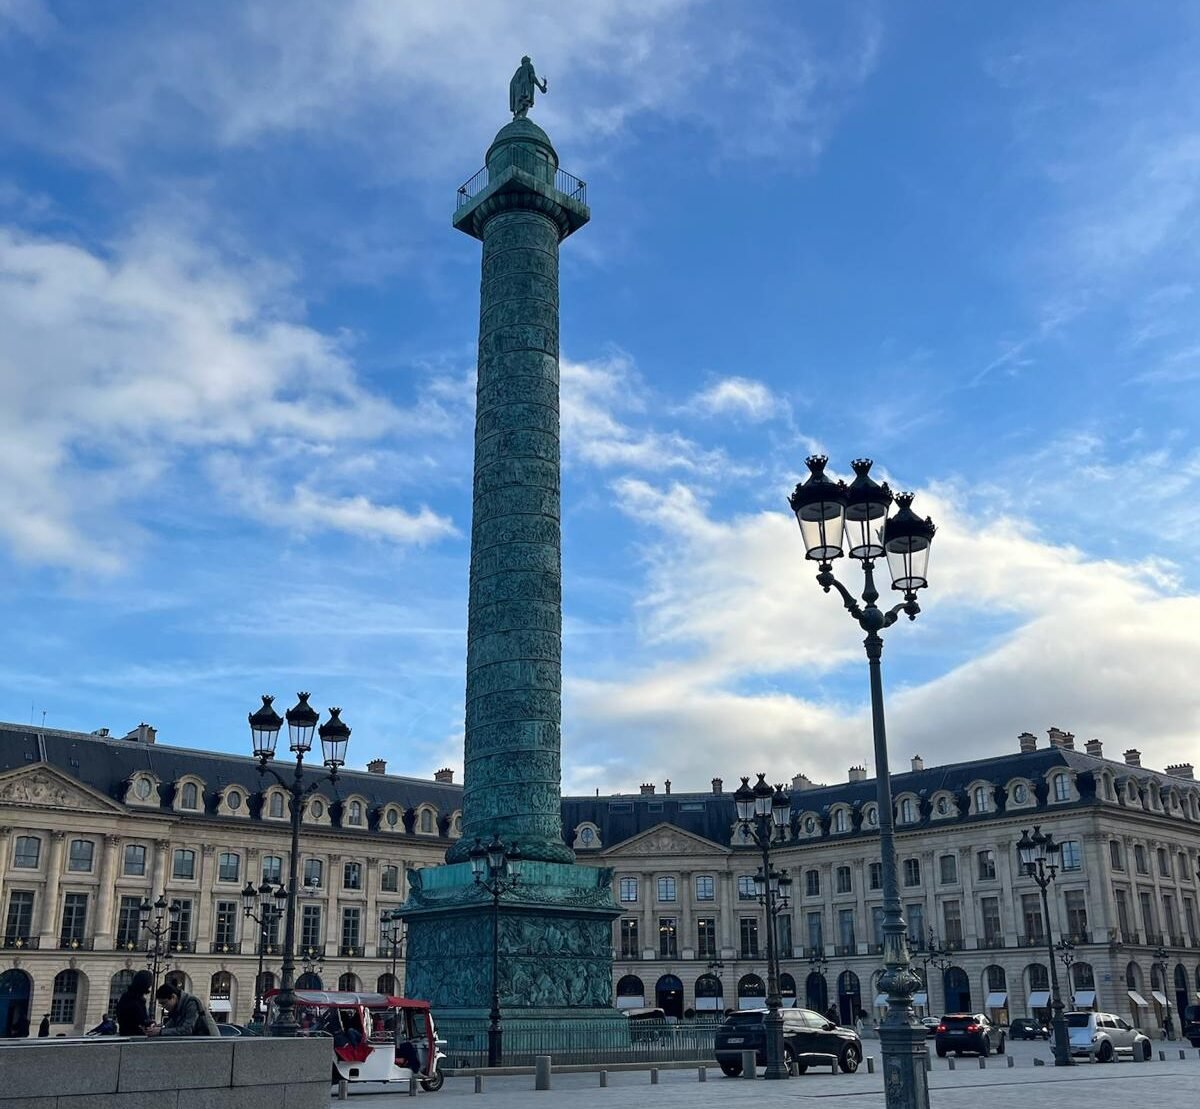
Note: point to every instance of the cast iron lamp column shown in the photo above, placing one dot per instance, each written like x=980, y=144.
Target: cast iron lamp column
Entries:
x=391, y=930
x=939, y=957
x=165, y=915
x=1162, y=961
x=1065, y=950
x=497, y=869
x=264, y=731
x=825, y=510
x=763, y=814
x=1036, y=853
x=264, y=899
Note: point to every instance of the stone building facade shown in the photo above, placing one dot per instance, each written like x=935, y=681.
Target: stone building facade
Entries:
x=90, y=825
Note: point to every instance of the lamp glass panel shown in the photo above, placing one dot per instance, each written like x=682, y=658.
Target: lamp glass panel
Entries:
x=821, y=526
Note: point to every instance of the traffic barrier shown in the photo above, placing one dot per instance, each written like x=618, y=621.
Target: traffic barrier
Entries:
x=749, y=1064
x=702, y=1074
x=479, y=1083
x=343, y=1090
x=870, y=1064
x=541, y=1072
x=654, y=1076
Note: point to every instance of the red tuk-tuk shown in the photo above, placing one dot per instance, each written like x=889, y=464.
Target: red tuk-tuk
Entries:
x=376, y=1037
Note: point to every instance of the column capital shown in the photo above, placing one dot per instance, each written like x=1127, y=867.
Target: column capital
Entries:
x=58, y=835
x=162, y=844
x=111, y=840
x=207, y=850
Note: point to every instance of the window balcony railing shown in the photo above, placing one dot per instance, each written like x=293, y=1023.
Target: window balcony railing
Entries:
x=351, y=950
x=219, y=948
x=955, y=944
x=1154, y=939
x=1177, y=941
x=273, y=948
x=182, y=947
x=1079, y=937
x=875, y=948
x=21, y=943
x=993, y=939
x=74, y=943
x=845, y=949
x=1037, y=939
x=749, y=953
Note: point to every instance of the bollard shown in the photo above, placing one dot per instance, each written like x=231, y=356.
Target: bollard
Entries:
x=1011, y=1061
x=702, y=1074
x=654, y=1076
x=412, y=1086
x=479, y=1083
x=982, y=1063
x=749, y=1064
x=793, y=1068
x=541, y=1072
x=871, y=1064
x=604, y=1080
x=951, y=1063
x=1182, y=1054
x=343, y=1090
x=1162, y=1055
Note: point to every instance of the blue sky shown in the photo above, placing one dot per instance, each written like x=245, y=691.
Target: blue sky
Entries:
x=238, y=358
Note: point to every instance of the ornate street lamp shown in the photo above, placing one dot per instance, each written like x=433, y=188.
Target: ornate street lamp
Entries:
x=764, y=814
x=1065, y=950
x=1037, y=853
x=830, y=514
x=497, y=868
x=1162, y=961
x=158, y=927
x=391, y=931
x=266, y=900
x=265, y=725
x=934, y=955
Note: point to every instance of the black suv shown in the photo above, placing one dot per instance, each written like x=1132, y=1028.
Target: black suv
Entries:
x=1191, y=1025
x=959, y=1032
x=1026, y=1028
x=804, y=1032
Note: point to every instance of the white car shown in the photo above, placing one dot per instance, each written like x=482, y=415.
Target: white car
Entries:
x=1102, y=1036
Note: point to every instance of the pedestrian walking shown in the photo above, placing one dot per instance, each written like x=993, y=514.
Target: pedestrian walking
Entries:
x=44, y=1027
x=132, y=1013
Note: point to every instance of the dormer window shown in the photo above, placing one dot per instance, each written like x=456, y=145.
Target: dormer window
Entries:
x=839, y=820
x=275, y=806
x=355, y=813
x=872, y=816
x=942, y=806
x=141, y=789
x=190, y=796
x=233, y=799
x=393, y=818
x=908, y=812
x=1062, y=788
x=426, y=824
x=810, y=825
x=982, y=800
x=1020, y=793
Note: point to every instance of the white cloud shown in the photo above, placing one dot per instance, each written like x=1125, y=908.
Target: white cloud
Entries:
x=740, y=397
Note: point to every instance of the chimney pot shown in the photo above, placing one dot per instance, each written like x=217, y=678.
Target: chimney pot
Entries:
x=918, y=763
x=1028, y=742
x=647, y=788
x=801, y=782
x=377, y=766
x=1061, y=739
x=667, y=786
x=1133, y=757
x=1182, y=770
x=445, y=775
x=718, y=786
x=858, y=773
x=1095, y=747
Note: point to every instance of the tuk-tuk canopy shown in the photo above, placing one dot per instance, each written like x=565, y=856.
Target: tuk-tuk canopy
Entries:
x=341, y=999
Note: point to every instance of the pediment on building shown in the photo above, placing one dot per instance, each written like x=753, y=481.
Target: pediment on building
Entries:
x=665, y=839
x=41, y=786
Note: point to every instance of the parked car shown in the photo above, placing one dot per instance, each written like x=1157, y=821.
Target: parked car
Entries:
x=1191, y=1025
x=959, y=1032
x=804, y=1032
x=647, y=1025
x=931, y=1025
x=229, y=1029
x=1102, y=1037
x=1027, y=1028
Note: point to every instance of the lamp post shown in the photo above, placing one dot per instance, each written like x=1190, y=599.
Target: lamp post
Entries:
x=265, y=725
x=763, y=814
x=1162, y=961
x=1065, y=950
x=391, y=931
x=497, y=868
x=817, y=963
x=1036, y=853
x=938, y=956
x=159, y=926
x=828, y=512
x=266, y=900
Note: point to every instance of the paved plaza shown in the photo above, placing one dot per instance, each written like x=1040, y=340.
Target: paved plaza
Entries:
x=1087, y=1086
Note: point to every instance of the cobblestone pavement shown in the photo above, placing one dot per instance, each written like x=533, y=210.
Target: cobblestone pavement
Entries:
x=1022, y=1086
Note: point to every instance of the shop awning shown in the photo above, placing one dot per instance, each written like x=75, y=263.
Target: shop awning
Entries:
x=1138, y=1000
x=921, y=998
x=1039, y=999
x=996, y=1000
x=1085, y=999
x=1161, y=998
x=219, y=1005
x=881, y=1000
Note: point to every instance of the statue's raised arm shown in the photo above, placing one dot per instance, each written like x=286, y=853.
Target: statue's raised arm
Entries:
x=522, y=87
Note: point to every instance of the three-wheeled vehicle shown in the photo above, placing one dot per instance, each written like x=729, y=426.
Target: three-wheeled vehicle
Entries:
x=376, y=1037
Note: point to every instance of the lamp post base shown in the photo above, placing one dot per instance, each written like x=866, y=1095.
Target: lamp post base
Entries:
x=495, y=1045
x=905, y=1080
x=1062, y=1042
x=777, y=1066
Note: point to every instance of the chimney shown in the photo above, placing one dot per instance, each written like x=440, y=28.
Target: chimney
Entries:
x=1061, y=739
x=1133, y=757
x=1095, y=747
x=647, y=788
x=1028, y=742
x=667, y=786
x=858, y=773
x=143, y=733
x=801, y=782
x=377, y=766
x=101, y=733
x=445, y=775
x=918, y=763
x=1181, y=770
x=718, y=786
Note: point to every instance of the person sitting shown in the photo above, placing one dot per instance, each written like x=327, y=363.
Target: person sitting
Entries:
x=106, y=1027
x=408, y=1056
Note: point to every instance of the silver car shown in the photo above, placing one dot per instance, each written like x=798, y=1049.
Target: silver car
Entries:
x=1102, y=1037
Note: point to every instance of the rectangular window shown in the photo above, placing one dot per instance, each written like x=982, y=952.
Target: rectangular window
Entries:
x=310, y=927
x=1031, y=913
x=81, y=855
x=352, y=876
x=843, y=880
x=666, y=889
x=706, y=938
x=20, y=916
x=74, y=919
x=129, y=923
x=948, y=869
x=229, y=867
x=1123, y=916
x=704, y=888
x=877, y=925
x=1170, y=923
x=1189, y=916
x=1139, y=859
x=183, y=865
x=1149, y=920
x=272, y=870
x=816, y=937
x=846, y=931
x=668, y=940
x=389, y=879
x=812, y=883
x=630, y=943
x=875, y=876
x=135, y=860
x=313, y=873
x=629, y=890
x=912, y=872
x=987, y=864
x=351, y=931
x=225, y=931
x=748, y=934
x=990, y=911
x=783, y=935
x=914, y=916
x=1077, y=920
x=1072, y=857
x=1164, y=863
x=180, y=936
x=64, y=997
x=745, y=887
x=27, y=852
x=952, y=924
x=1116, y=857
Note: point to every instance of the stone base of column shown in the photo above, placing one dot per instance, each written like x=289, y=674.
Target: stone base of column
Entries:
x=555, y=942
x=904, y=1051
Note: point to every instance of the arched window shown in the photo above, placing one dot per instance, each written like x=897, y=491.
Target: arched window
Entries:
x=816, y=993
x=221, y=985
x=27, y=853
x=958, y=990
x=631, y=993
x=839, y=820
x=982, y=799
x=708, y=993
x=907, y=811
x=750, y=986
x=309, y=980
x=385, y=983
x=1039, y=977
x=787, y=989
x=1083, y=976
x=64, y=996
x=668, y=995
x=266, y=983
x=356, y=812
x=997, y=981
x=349, y=983
x=426, y=820
x=191, y=796
x=872, y=816
x=1133, y=977
x=849, y=997
x=1062, y=787
x=275, y=806
x=121, y=981
x=178, y=978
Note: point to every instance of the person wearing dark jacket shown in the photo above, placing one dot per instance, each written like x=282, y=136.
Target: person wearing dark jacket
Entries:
x=132, y=1016
x=44, y=1027
x=185, y=1015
